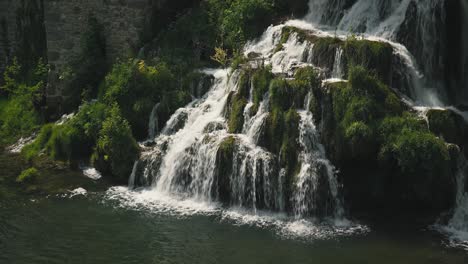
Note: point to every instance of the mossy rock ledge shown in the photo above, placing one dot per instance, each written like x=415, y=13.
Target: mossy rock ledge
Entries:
x=388, y=158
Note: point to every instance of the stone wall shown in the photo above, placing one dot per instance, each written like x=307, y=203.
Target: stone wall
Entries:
x=65, y=20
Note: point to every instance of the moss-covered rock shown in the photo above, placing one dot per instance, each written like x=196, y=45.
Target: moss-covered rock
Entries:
x=261, y=79
x=373, y=55
x=224, y=163
x=375, y=142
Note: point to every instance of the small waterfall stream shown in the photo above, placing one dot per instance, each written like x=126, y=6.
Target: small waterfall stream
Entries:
x=153, y=128
x=337, y=72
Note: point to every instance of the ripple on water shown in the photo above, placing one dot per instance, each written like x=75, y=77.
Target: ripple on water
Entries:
x=281, y=224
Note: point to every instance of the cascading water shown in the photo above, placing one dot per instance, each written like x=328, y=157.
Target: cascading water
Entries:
x=185, y=162
x=416, y=24
x=337, y=72
x=316, y=183
x=457, y=226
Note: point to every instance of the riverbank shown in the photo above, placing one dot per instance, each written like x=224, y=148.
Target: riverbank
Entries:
x=53, y=178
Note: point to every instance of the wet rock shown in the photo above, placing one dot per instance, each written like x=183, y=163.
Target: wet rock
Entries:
x=214, y=126
x=450, y=126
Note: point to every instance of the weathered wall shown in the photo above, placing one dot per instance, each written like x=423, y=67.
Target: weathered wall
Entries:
x=65, y=21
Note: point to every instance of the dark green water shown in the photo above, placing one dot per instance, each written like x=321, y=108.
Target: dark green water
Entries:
x=93, y=230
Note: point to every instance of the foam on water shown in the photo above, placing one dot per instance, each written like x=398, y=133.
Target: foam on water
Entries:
x=77, y=192
x=91, y=173
x=281, y=224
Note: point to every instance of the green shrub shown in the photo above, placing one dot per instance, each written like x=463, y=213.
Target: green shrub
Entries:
x=28, y=175
x=32, y=150
x=136, y=87
x=19, y=118
x=73, y=140
x=418, y=152
x=116, y=149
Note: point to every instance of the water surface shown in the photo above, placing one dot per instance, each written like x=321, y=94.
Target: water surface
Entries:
x=94, y=229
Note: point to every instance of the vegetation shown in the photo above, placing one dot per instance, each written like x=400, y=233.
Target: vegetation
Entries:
x=28, y=175
x=136, y=87
x=116, y=149
x=374, y=124
x=22, y=99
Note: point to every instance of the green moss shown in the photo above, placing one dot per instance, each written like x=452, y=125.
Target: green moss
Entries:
x=224, y=163
x=369, y=54
x=28, y=175
x=285, y=34
x=261, y=79
x=327, y=44
x=281, y=94
x=237, y=103
x=236, y=117
x=289, y=147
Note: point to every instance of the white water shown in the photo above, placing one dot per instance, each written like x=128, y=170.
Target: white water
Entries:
x=337, y=72
x=314, y=165
x=153, y=122
x=182, y=168
x=91, y=173
x=183, y=165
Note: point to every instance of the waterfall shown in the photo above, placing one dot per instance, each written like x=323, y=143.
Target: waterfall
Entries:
x=185, y=161
x=337, y=72
x=457, y=226
x=153, y=122
x=311, y=194
x=416, y=24
x=187, y=154
x=131, y=180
